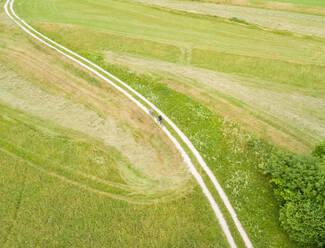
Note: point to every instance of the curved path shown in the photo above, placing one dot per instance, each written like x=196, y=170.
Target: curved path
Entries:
x=109, y=78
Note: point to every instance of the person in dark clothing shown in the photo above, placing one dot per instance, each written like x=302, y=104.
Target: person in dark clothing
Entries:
x=160, y=119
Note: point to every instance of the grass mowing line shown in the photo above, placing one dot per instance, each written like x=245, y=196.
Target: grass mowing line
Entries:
x=73, y=181
x=28, y=29
x=122, y=197
x=64, y=179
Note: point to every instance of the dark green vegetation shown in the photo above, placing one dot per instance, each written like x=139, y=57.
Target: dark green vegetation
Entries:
x=300, y=189
x=319, y=150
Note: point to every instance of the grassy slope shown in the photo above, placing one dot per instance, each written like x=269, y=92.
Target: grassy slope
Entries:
x=222, y=146
x=285, y=66
x=64, y=187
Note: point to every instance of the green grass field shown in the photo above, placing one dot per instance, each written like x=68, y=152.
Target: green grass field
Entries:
x=277, y=65
x=67, y=180
x=44, y=188
x=203, y=71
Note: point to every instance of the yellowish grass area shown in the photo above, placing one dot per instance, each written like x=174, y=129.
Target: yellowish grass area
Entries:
x=35, y=80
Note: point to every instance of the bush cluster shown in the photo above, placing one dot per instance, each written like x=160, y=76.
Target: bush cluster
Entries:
x=300, y=189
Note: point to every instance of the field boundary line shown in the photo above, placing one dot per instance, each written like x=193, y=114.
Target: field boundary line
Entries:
x=46, y=41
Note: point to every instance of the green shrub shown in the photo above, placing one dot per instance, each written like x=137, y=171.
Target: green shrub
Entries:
x=239, y=20
x=300, y=188
x=319, y=150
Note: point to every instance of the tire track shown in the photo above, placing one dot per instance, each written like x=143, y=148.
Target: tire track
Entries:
x=72, y=182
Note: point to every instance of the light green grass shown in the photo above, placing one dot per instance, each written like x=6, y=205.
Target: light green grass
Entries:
x=132, y=20
x=40, y=209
